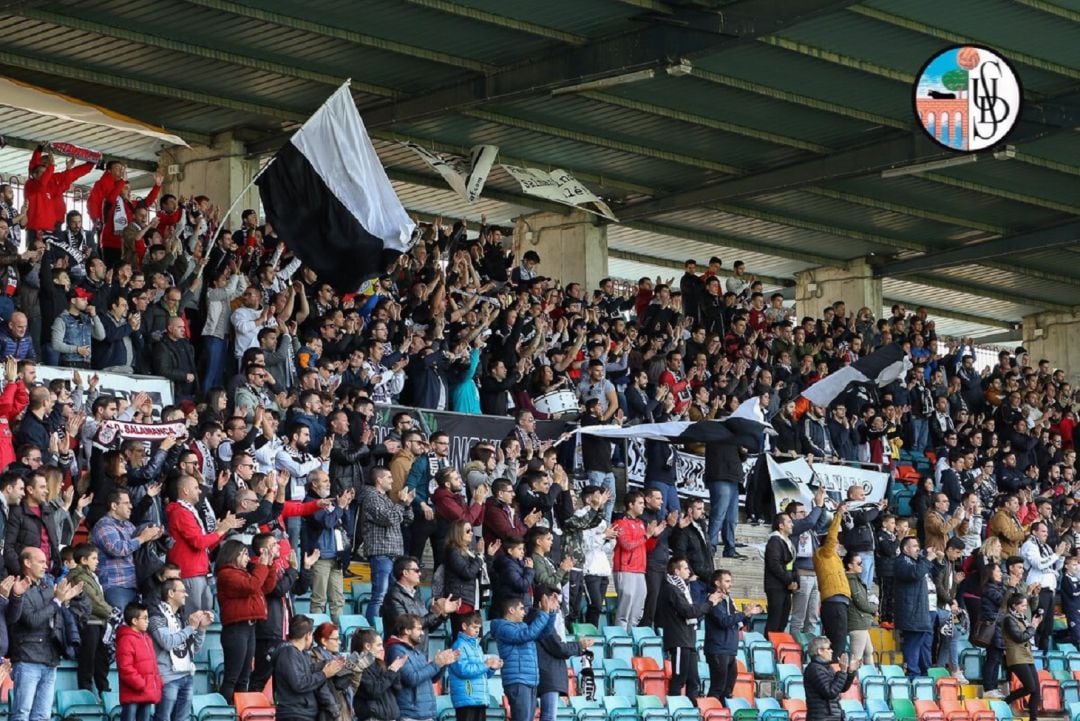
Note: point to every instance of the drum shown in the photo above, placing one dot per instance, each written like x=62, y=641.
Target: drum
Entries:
x=557, y=403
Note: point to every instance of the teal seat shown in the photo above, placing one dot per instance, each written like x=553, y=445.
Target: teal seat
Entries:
x=444, y=708
x=651, y=708
x=620, y=707
x=769, y=709
x=682, y=709
x=972, y=659
x=212, y=707
x=762, y=659
x=853, y=710
x=317, y=619
x=80, y=703
x=622, y=680
x=588, y=710
x=618, y=643
x=111, y=701
x=302, y=604
x=923, y=689
x=904, y=710
x=879, y=710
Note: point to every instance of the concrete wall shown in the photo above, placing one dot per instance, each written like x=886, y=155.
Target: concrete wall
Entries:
x=1056, y=337
x=219, y=171
x=572, y=247
x=818, y=288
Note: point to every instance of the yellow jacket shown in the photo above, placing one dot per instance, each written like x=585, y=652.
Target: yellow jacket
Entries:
x=829, y=567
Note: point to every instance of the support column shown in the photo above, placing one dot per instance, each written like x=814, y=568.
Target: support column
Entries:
x=219, y=171
x=818, y=288
x=1055, y=337
x=572, y=247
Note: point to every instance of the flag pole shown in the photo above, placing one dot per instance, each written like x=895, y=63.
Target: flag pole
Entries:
x=240, y=195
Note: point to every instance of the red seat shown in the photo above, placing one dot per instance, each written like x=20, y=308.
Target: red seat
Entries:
x=948, y=688
x=979, y=710
x=928, y=711
x=795, y=707
x=786, y=648
x=652, y=679
x=745, y=688
x=254, y=706
x=1050, y=691
x=954, y=710
x=712, y=710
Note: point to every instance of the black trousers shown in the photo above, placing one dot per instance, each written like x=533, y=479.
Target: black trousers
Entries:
x=423, y=530
x=991, y=670
x=722, y=673
x=1029, y=677
x=887, y=599
x=654, y=581
x=238, y=646
x=779, y=601
x=470, y=713
x=264, y=669
x=575, y=612
x=684, y=673
x=596, y=588
x=834, y=625
x=1046, y=626
x=93, y=659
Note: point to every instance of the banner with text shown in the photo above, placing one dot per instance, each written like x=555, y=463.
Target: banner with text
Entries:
x=558, y=186
x=119, y=385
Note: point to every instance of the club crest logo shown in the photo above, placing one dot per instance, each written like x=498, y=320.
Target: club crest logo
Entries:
x=967, y=98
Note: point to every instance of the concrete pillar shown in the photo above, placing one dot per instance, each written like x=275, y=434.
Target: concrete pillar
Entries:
x=818, y=288
x=219, y=171
x=572, y=247
x=1055, y=337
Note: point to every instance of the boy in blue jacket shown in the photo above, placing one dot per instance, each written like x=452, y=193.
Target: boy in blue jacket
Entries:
x=416, y=698
x=517, y=649
x=469, y=674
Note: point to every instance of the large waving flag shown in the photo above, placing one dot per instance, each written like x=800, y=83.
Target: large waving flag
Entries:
x=880, y=368
x=329, y=199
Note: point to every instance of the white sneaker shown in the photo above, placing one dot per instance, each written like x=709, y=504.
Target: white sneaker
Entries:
x=961, y=679
x=993, y=694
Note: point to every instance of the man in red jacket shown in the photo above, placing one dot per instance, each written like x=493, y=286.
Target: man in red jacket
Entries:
x=450, y=503
x=45, y=190
x=193, y=541
x=119, y=212
x=632, y=547
x=115, y=172
x=502, y=521
x=13, y=401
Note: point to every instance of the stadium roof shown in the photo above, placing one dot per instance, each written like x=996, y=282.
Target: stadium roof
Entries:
x=756, y=129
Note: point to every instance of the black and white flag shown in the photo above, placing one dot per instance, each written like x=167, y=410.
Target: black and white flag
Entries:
x=880, y=368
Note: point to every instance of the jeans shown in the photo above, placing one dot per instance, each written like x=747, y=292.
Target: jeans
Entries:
x=32, y=691
x=723, y=513
x=176, y=700
x=327, y=582
x=920, y=430
x=1029, y=686
x=549, y=705
x=238, y=645
x=120, y=597
x=522, y=700
x=135, y=711
x=867, y=574
x=381, y=568
x=915, y=646
x=604, y=479
x=216, y=351
x=804, y=605
x=671, y=496
x=949, y=649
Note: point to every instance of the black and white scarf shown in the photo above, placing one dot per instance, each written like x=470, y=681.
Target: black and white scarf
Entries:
x=182, y=656
x=681, y=587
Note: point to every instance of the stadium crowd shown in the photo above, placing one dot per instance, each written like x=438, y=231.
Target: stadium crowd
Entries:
x=116, y=547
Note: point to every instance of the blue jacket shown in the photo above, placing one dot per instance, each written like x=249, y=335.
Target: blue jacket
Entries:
x=469, y=674
x=722, y=624
x=517, y=648
x=20, y=349
x=318, y=530
x=515, y=581
x=416, y=698
x=464, y=395
x=912, y=601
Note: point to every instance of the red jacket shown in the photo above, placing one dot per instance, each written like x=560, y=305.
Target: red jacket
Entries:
x=242, y=595
x=190, y=550
x=136, y=660
x=13, y=401
x=632, y=546
x=46, y=194
x=110, y=237
x=497, y=524
x=450, y=506
x=95, y=202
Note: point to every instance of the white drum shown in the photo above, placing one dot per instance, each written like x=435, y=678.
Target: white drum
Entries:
x=557, y=403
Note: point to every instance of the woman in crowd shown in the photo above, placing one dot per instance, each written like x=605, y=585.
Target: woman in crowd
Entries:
x=376, y=697
x=993, y=599
x=1018, y=632
x=343, y=684
x=974, y=568
x=242, y=596
x=464, y=569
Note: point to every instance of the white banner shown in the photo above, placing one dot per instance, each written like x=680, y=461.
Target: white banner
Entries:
x=119, y=385
x=465, y=175
x=558, y=186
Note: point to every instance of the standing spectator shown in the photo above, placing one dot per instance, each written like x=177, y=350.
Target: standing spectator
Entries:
x=823, y=685
x=1005, y=524
x=404, y=598
x=552, y=653
x=992, y=592
x=690, y=541
x=938, y=525
x=947, y=635
x=73, y=331
x=380, y=529
x=515, y=573
x=468, y=675
x=329, y=530
x=33, y=524
x=35, y=650
x=833, y=584
x=598, y=543
x=1042, y=564
x=177, y=643
x=380, y=684
x=913, y=605
x=93, y=656
x=722, y=625
x=804, y=534
x=887, y=548
x=174, y=358
x=781, y=579
x=723, y=475
x=657, y=559
x=633, y=542
x=858, y=530
x=116, y=540
x=416, y=697
x=297, y=681
x=464, y=569
x=596, y=450
x=1019, y=632
x=193, y=541
x=860, y=612
x=140, y=680
x=678, y=617
x=517, y=649
x=242, y=594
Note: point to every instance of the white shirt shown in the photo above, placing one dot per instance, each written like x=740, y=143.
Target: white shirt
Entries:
x=1041, y=567
x=247, y=328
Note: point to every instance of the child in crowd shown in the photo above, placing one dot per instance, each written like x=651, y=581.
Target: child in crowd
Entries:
x=136, y=659
x=887, y=548
x=67, y=561
x=469, y=674
x=93, y=656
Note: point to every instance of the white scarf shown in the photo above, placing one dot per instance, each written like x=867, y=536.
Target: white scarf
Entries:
x=681, y=587
x=195, y=513
x=181, y=657
x=120, y=219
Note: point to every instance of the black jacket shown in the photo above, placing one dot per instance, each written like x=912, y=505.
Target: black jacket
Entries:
x=493, y=398
x=788, y=436
x=691, y=544
x=778, y=556
x=347, y=459
x=823, y=689
x=672, y=613
x=32, y=635
x=296, y=684
x=888, y=548
x=175, y=359
x=859, y=535
x=398, y=601
x=551, y=657
x=460, y=575
x=23, y=530
x=723, y=462
x=291, y=581
x=660, y=462
x=377, y=696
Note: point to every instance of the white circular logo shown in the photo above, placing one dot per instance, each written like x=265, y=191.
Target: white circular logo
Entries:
x=967, y=98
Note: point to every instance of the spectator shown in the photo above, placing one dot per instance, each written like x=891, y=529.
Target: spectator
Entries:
x=858, y=531
x=804, y=534
x=14, y=340
x=1042, y=564
x=93, y=656
x=416, y=697
x=947, y=635
x=297, y=681
x=517, y=649
x=116, y=539
x=242, y=595
x=383, y=519
x=140, y=680
x=887, y=548
x=330, y=531
x=516, y=574
x=913, y=606
x=177, y=641
x=823, y=685
x=1019, y=632
x=174, y=358
x=404, y=598
x=468, y=675
x=723, y=475
x=596, y=451
x=633, y=541
x=380, y=684
x=832, y=584
x=552, y=653
x=464, y=570
x=689, y=540
x=503, y=522
x=938, y=526
x=722, y=625
x=992, y=593
x=658, y=556
x=73, y=331
x=339, y=688
x=860, y=612
x=598, y=544
x=32, y=524
x=678, y=616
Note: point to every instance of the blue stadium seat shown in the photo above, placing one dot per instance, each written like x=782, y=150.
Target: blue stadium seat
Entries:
x=111, y=701
x=620, y=708
x=617, y=643
x=853, y=710
x=588, y=710
x=682, y=709
x=651, y=708
x=621, y=679
x=212, y=707
x=81, y=704
x=879, y=710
